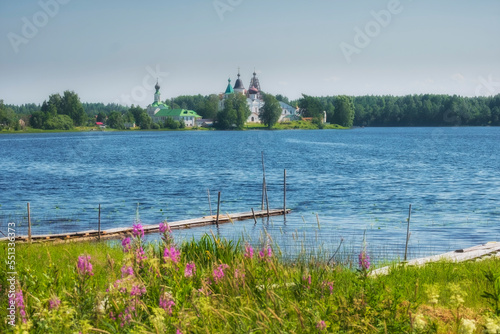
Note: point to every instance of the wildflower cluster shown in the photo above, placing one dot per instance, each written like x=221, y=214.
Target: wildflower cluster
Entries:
x=137, y=230
x=218, y=272
x=84, y=265
x=171, y=254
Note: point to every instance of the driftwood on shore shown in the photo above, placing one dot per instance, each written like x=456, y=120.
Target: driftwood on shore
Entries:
x=459, y=255
x=118, y=232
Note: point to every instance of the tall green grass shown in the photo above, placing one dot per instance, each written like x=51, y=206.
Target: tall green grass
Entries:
x=230, y=291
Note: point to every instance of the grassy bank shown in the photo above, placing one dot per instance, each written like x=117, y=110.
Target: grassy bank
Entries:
x=219, y=286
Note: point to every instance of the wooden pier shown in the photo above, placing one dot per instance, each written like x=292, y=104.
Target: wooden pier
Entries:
x=459, y=255
x=115, y=233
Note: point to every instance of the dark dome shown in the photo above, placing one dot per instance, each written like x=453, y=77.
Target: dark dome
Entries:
x=239, y=84
x=157, y=87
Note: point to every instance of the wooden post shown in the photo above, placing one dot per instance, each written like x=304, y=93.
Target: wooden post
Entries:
x=263, y=192
x=284, y=193
x=265, y=185
x=29, y=223
x=218, y=208
x=254, y=218
x=209, y=202
x=408, y=232
x=99, y=224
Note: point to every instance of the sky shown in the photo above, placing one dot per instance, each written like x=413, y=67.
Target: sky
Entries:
x=114, y=51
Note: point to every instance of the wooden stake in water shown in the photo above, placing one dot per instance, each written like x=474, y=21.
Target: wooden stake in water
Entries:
x=29, y=224
x=99, y=224
x=408, y=232
x=209, y=202
x=218, y=208
x=265, y=185
x=254, y=218
x=284, y=193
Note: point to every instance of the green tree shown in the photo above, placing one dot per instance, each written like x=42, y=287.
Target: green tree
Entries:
x=282, y=98
x=136, y=113
x=115, y=120
x=144, y=121
x=8, y=118
x=311, y=107
x=271, y=111
x=71, y=106
x=59, y=122
x=101, y=117
x=235, y=112
x=170, y=123
x=344, y=111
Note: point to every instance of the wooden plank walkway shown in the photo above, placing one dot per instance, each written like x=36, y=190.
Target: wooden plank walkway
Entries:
x=459, y=255
x=118, y=232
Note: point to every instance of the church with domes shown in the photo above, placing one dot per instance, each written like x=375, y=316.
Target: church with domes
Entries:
x=254, y=99
x=159, y=111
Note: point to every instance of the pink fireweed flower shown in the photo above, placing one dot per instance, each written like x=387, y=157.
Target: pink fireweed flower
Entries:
x=178, y=331
x=219, y=272
x=321, y=326
x=307, y=279
x=164, y=228
x=364, y=260
x=54, y=303
x=84, y=265
x=138, y=231
x=248, y=251
x=18, y=300
x=172, y=254
x=190, y=269
x=140, y=255
x=137, y=290
x=266, y=253
x=126, y=244
x=166, y=304
x=127, y=271
x=329, y=285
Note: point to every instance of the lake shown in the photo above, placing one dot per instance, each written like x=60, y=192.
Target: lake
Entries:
x=357, y=183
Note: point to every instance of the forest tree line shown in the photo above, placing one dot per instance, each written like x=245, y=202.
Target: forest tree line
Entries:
x=66, y=111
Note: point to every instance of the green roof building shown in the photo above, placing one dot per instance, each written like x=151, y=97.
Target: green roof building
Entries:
x=159, y=111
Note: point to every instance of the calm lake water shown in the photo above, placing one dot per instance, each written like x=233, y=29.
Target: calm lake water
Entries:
x=359, y=182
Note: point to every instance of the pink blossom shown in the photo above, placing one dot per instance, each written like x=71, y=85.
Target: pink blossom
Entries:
x=266, y=253
x=308, y=279
x=126, y=244
x=84, y=265
x=164, y=228
x=248, y=251
x=172, y=254
x=218, y=272
x=321, y=326
x=166, y=304
x=138, y=231
x=140, y=255
x=190, y=269
x=137, y=290
x=329, y=285
x=178, y=331
x=364, y=260
x=19, y=302
x=54, y=303
x=127, y=271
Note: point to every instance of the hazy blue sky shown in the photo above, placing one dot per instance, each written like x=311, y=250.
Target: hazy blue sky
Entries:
x=109, y=51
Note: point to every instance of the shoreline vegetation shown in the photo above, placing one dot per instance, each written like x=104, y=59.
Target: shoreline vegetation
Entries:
x=66, y=112
x=294, y=125
x=213, y=285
